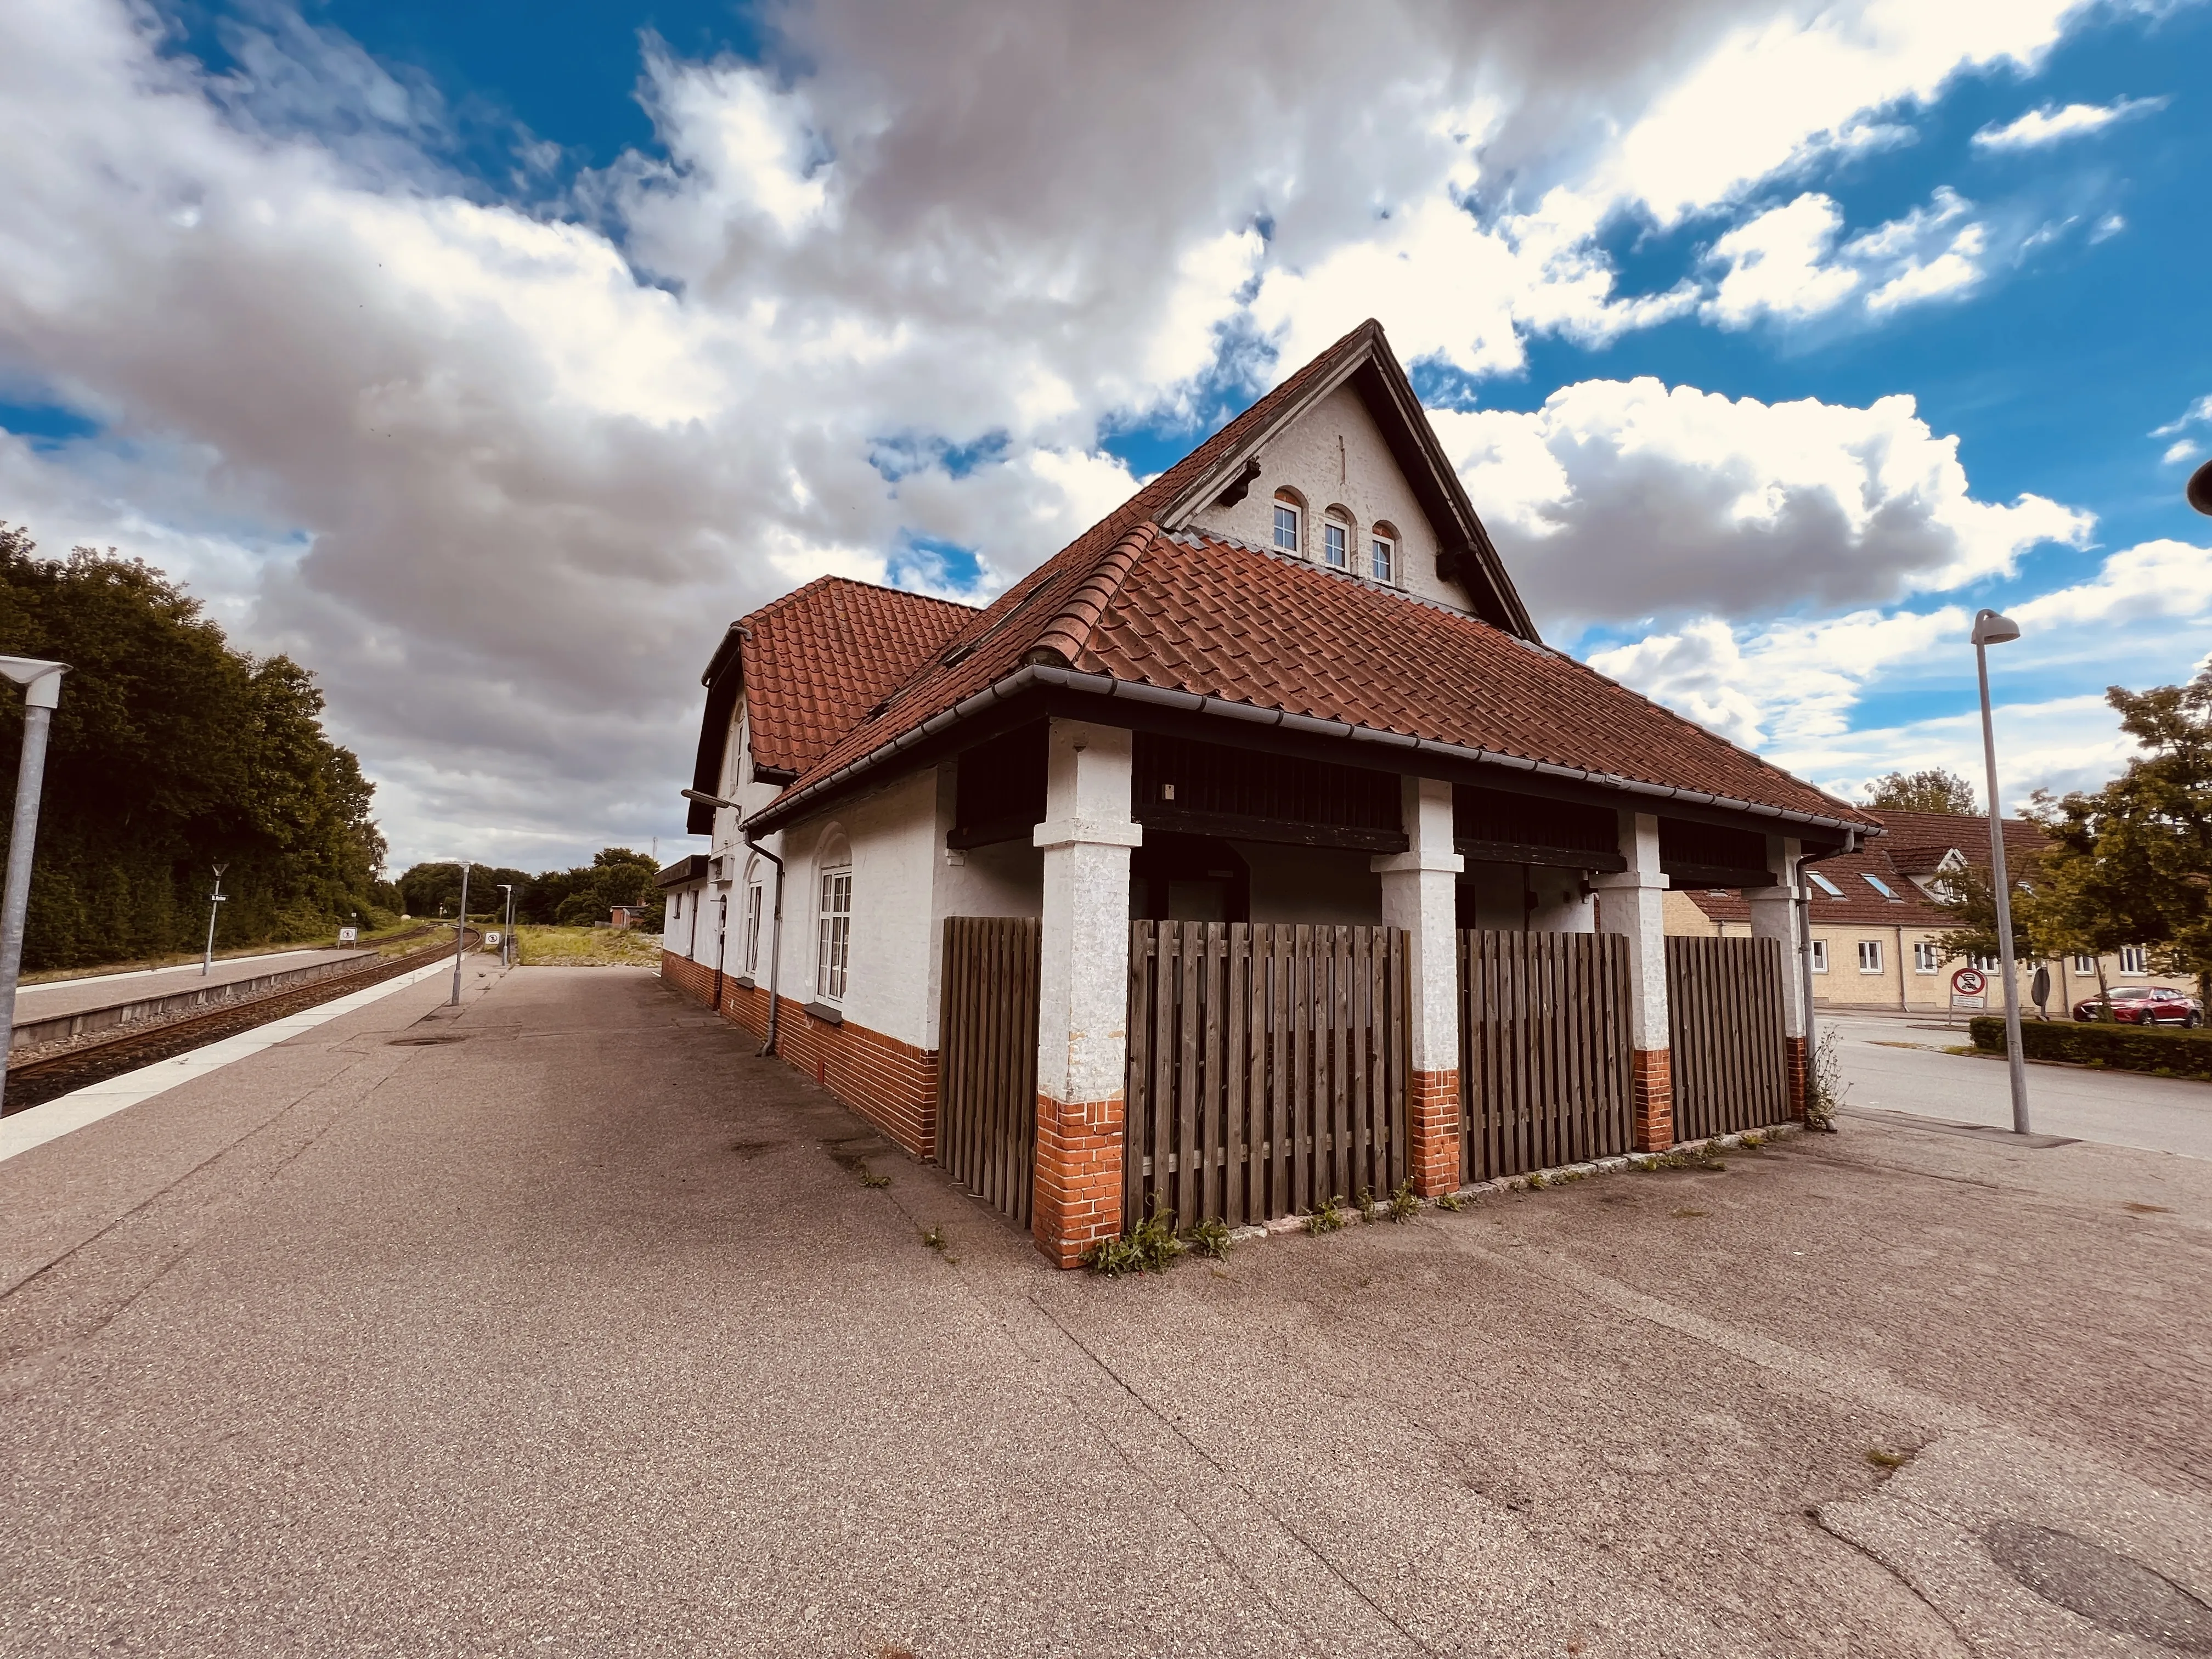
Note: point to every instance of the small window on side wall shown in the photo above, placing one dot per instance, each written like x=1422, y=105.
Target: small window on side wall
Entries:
x=833, y=944
x=2134, y=959
x=1383, y=553
x=1819, y=956
x=1290, y=524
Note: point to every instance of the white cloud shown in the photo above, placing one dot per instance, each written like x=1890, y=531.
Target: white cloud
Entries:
x=2184, y=450
x=2152, y=581
x=2057, y=743
x=2049, y=125
x=1784, y=264
x=501, y=470
x=1623, y=499
x=2199, y=410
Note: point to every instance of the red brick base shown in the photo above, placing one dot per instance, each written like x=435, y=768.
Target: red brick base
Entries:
x=1651, y=1109
x=1078, y=1176
x=891, y=1083
x=1800, y=1076
x=1432, y=1119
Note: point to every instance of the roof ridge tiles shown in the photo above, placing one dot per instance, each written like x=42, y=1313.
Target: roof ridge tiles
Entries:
x=1068, y=633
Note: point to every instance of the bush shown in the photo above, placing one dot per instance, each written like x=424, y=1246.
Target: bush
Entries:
x=2121, y=1047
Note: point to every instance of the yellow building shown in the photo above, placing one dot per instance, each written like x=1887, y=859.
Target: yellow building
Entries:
x=1873, y=925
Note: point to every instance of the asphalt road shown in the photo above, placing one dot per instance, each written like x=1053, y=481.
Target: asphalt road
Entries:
x=1891, y=1066
x=567, y=1326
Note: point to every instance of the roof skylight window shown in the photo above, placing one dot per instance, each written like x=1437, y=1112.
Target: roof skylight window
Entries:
x=1878, y=884
x=1826, y=886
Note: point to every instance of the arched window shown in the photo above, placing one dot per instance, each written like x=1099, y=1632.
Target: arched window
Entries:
x=756, y=896
x=1337, y=538
x=1290, y=523
x=1383, y=553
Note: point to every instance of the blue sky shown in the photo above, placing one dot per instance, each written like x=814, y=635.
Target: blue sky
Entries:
x=491, y=357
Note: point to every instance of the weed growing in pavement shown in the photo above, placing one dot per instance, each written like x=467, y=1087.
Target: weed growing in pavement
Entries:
x=1363, y=1200
x=934, y=1236
x=870, y=1178
x=1881, y=1458
x=1210, y=1238
x=1404, y=1207
x=1328, y=1219
x=1754, y=1141
x=1688, y=1211
x=1538, y=1181
x=1451, y=1202
x=1825, y=1087
x=1147, y=1247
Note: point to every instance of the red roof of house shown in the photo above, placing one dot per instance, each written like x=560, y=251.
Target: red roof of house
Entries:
x=818, y=660
x=1918, y=840
x=1193, y=613
x=1860, y=904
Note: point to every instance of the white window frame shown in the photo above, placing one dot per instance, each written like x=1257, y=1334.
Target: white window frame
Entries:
x=1336, y=540
x=1819, y=948
x=1982, y=965
x=2083, y=964
x=1824, y=883
x=2135, y=961
x=1869, y=955
x=1383, y=559
x=1927, y=958
x=1297, y=528
x=753, y=907
x=833, y=944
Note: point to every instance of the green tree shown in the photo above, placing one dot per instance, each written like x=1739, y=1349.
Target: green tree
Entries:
x=1934, y=790
x=172, y=752
x=2132, y=862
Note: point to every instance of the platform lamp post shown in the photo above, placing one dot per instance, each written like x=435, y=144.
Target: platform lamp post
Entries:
x=1990, y=629
x=460, y=935
x=42, y=693
x=216, y=900
x=506, y=936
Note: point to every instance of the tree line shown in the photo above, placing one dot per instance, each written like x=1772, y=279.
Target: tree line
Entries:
x=172, y=752
x=568, y=898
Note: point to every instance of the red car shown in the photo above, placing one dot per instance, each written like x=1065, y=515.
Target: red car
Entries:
x=2144, y=1005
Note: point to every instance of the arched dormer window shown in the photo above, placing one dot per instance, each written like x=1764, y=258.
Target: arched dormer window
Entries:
x=1383, y=553
x=1291, y=523
x=1337, y=538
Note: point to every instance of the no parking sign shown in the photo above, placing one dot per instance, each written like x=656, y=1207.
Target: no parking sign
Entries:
x=1969, y=982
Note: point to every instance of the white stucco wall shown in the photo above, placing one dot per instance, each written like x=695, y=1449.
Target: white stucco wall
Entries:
x=892, y=835
x=1334, y=455
x=677, y=933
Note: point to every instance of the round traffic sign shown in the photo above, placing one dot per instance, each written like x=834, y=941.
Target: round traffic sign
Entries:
x=1970, y=981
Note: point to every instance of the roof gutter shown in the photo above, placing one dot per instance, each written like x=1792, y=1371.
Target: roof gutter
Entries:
x=1068, y=679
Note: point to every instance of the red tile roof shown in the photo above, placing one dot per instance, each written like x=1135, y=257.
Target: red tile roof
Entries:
x=818, y=660
x=1918, y=840
x=1861, y=905
x=1195, y=613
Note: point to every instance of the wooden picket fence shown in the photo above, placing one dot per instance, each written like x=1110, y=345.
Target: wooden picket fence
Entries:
x=1268, y=1068
x=1725, y=1019
x=1544, y=1070
x=987, y=1059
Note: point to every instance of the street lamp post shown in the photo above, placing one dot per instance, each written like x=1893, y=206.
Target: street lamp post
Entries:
x=214, y=905
x=42, y=693
x=1990, y=629
x=506, y=936
x=460, y=935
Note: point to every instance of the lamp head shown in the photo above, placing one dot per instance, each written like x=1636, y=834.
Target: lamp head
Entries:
x=2200, y=488
x=705, y=799
x=1990, y=629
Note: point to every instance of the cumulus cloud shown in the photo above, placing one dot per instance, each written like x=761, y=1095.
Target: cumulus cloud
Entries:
x=500, y=466
x=1784, y=264
x=1618, y=499
x=2050, y=124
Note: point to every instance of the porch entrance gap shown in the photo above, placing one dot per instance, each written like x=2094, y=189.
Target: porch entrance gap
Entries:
x=987, y=1060
x=1268, y=1068
x=1544, y=1051
x=1725, y=1022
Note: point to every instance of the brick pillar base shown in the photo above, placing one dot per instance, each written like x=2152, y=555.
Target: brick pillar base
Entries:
x=1432, y=1125
x=1800, y=1076
x=1652, y=1108
x=1077, y=1194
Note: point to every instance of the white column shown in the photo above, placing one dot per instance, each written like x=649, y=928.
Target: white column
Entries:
x=1083, y=1038
x=1774, y=915
x=1631, y=903
x=1419, y=890
x=1419, y=895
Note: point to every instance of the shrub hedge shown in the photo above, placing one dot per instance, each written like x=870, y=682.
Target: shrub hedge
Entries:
x=2122, y=1048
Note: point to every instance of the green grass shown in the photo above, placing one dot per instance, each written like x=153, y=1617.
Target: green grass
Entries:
x=586, y=947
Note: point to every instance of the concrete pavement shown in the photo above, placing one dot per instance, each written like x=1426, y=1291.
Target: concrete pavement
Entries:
x=567, y=1327
x=1892, y=1066
x=70, y=996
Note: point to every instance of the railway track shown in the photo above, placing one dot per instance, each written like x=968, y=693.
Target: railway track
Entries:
x=33, y=1082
